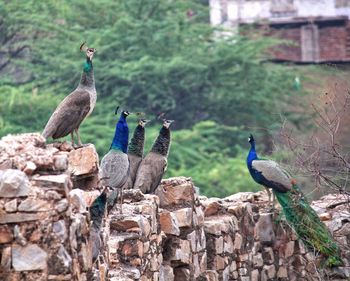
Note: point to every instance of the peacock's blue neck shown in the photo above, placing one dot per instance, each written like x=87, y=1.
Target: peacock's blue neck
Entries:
x=252, y=155
x=87, y=77
x=121, y=135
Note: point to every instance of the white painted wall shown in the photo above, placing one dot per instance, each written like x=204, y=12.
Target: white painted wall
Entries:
x=250, y=10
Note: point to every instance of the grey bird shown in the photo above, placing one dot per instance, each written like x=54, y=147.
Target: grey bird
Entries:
x=135, y=151
x=114, y=168
x=153, y=166
x=76, y=106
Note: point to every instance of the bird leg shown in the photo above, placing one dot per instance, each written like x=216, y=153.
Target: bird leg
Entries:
x=79, y=140
x=72, y=136
x=121, y=199
x=271, y=202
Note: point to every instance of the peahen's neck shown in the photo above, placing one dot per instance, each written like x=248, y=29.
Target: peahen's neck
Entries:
x=252, y=155
x=162, y=143
x=121, y=135
x=87, y=77
x=137, y=141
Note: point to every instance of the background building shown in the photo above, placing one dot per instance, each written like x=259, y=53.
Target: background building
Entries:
x=319, y=30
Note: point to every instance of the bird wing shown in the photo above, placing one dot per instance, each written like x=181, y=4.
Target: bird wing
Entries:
x=68, y=115
x=276, y=177
x=114, y=169
x=150, y=172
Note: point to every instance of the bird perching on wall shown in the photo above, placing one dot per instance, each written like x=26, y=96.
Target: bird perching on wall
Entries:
x=70, y=113
x=135, y=150
x=153, y=166
x=298, y=212
x=267, y=173
x=114, y=168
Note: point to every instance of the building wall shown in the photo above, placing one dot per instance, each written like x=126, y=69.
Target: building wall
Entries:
x=332, y=44
x=251, y=11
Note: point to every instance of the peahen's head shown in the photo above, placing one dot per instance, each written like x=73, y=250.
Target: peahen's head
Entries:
x=89, y=51
x=251, y=139
x=167, y=123
x=143, y=122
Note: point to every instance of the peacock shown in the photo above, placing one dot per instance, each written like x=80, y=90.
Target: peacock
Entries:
x=135, y=151
x=97, y=211
x=114, y=170
x=153, y=166
x=76, y=106
x=304, y=220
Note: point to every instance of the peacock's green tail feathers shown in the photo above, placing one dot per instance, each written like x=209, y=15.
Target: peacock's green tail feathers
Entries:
x=112, y=199
x=308, y=226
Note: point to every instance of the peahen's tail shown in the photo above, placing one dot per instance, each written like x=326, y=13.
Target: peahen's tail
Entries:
x=308, y=226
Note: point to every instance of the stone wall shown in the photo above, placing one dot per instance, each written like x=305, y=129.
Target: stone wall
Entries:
x=44, y=230
x=173, y=235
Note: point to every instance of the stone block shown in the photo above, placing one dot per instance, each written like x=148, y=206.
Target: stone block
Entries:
x=22, y=217
x=192, y=238
x=6, y=258
x=212, y=207
x=254, y=276
x=61, y=183
x=219, y=245
x=270, y=271
x=184, y=217
x=83, y=161
x=219, y=262
x=176, y=191
x=13, y=183
x=6, y=234
x=181, y=251
x=11, y=206
x=282, y=272
x=289, y=250
x=218, y=225
x=168, y=223
x=28, y=258
x=29, y=168
x=238, y=241
x=264, y=230
x=258, y=260
x=166, y=273
x=228, y=245
x=34, y=205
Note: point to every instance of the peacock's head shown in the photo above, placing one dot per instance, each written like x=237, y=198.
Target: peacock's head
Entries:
x=251, y=139
x=124, y=113
x=89, y=51
x=143, y=122
x=167, y=123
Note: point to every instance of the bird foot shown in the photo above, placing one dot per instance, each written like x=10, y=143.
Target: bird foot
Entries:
x=77, y=146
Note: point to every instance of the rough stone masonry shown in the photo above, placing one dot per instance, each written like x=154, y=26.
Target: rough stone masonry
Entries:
x=45, y=192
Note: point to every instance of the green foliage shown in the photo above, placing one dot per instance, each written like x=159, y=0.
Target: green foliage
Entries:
x=152, y=56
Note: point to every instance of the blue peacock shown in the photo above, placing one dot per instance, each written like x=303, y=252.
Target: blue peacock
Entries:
x=114, y=170
x=304, y=220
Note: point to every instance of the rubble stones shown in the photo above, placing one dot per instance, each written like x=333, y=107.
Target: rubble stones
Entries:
x=13, y=183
